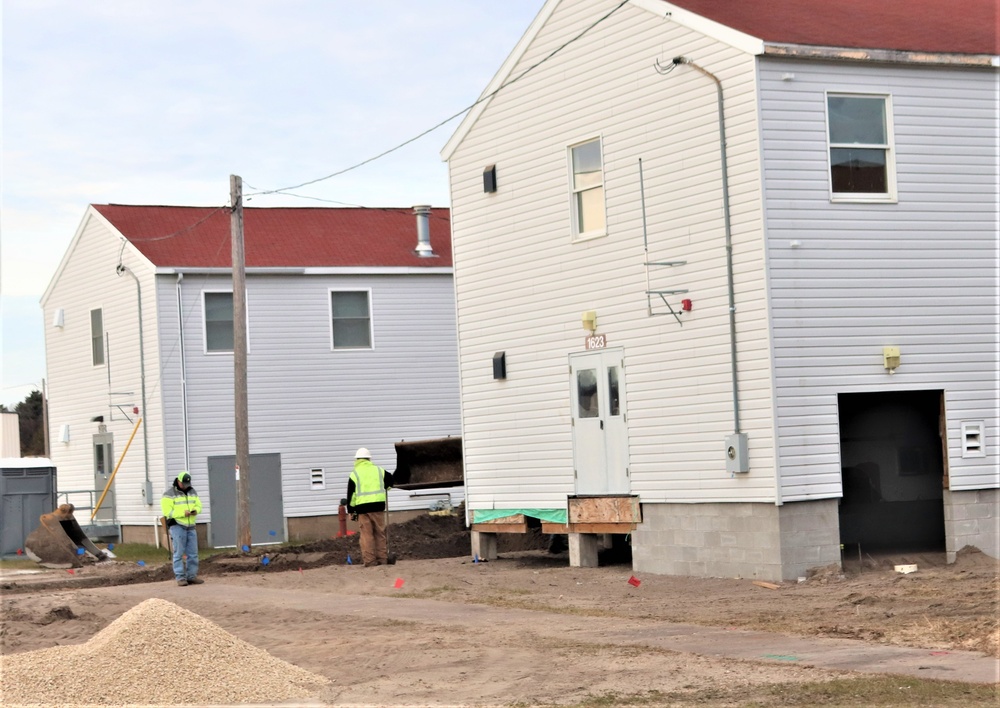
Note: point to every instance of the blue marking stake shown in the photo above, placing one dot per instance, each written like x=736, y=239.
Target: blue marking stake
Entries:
x=246, y=549
x=273, y=533
x=141, y=563
x=80, y=551
x=349, y=559
x=265, y=560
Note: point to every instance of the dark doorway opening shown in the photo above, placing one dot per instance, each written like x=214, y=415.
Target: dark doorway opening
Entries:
x=892, y=465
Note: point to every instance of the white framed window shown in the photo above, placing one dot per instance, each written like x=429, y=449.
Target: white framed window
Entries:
x=586, y=169
x=350, y=319
x=862, y=160
x=317, y=479
x=217, y=307
x=97, y=336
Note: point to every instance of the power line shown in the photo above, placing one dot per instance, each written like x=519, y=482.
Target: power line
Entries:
x=283, y=190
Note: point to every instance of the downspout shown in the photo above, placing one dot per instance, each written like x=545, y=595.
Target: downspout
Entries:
x=729, y=236
x=184, y=401
x=148, y=490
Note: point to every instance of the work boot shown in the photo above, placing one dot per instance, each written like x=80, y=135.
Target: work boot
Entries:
x=195, y=581
x=182, y=582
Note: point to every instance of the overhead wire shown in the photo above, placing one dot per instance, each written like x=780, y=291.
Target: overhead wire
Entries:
x=285, y=190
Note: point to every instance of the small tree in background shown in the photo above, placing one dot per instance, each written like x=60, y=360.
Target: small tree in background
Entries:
x=29, y=412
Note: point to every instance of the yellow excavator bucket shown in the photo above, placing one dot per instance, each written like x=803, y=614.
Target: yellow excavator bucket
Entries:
x=57, y=541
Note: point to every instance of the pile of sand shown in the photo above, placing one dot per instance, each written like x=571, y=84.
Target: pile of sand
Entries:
x=155, y=654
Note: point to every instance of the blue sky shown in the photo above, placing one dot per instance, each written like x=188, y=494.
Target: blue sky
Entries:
x=141, y=102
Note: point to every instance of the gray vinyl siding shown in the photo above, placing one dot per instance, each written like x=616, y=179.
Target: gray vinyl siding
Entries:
x=313, y=405
x=920, y=274
x=521, y=283
x=78, y=391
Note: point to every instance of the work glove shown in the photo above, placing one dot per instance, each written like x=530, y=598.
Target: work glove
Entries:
x=354, y=516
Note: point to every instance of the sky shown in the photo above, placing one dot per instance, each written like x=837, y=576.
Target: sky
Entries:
x=142, y=102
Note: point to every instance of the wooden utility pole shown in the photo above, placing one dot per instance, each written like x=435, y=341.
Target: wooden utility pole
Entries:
x=240, y=367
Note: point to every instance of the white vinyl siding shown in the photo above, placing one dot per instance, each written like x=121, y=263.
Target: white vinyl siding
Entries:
x=79, y=392
x=314, y=406
x=522, y=291
x=848, y=279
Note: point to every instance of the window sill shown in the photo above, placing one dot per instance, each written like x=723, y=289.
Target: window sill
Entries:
x=864, y=199
x=589, y=236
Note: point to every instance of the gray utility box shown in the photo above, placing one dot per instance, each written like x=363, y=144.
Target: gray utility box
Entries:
x=737, y=459
x=27, y=490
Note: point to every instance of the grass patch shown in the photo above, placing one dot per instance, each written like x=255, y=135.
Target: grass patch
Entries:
x=870, y=691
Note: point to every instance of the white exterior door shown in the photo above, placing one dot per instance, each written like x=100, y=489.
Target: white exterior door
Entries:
x=600, y=433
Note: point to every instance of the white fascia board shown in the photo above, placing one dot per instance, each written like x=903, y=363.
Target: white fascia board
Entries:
x=710, y=28
x=503, y=73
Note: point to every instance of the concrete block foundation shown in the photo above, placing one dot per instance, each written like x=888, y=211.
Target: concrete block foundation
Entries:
x=739, y=540
x=972, y=519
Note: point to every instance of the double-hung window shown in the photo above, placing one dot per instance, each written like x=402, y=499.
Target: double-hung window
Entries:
x=587, y=187
x=862, y=167
x=97, y=337
x=218, y=308
x=351, y=320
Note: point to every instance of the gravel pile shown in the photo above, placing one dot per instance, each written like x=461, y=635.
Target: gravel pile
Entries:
x=155, y=654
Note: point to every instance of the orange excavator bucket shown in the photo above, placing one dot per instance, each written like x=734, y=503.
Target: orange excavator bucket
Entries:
x=57, y=541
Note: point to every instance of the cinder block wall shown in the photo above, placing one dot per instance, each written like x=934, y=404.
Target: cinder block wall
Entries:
x=738, y=540
x=810, y=536
x=972, y=519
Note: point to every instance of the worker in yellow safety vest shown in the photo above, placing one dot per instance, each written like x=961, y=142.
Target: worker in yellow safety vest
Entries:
x=366, y=502
x=181, y=505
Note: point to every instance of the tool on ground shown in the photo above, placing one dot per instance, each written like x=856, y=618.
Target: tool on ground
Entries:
x=57, y=541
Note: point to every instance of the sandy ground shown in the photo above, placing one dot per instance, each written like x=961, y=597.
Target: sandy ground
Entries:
x=541, y=642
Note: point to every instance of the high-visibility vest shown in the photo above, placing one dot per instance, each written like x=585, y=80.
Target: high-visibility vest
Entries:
x=369, y=483
x=175, y=502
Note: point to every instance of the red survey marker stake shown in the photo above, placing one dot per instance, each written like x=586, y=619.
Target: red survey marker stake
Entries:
x=399, y=583
x=634, y=581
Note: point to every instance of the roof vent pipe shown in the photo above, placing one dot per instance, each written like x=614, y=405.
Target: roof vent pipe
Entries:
x=423, y=213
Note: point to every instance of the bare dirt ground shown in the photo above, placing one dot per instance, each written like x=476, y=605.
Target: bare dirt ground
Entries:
x=392, y=636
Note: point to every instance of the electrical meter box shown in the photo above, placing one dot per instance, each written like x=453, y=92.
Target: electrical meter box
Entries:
x=737, y=459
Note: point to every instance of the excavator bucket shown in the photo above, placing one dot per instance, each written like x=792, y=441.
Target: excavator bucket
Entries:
x=421, y=464
x=57, y=541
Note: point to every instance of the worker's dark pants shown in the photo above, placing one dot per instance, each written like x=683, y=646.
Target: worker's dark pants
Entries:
x=185, y=540
x=373, y=538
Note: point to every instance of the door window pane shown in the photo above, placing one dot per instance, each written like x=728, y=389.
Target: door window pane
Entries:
x=614, y=408
x=586, y=393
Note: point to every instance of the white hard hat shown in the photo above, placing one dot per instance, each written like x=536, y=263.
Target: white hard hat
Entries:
x=362, y=453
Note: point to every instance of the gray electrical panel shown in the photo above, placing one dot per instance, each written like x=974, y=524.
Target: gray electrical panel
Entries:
x=737, y=459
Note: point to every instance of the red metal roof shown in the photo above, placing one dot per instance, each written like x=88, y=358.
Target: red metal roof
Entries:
x=945, y=26
x=199, y=237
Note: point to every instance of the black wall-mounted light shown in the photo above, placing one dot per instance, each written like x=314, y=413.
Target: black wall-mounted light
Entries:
x=490, y=179
x=500, y=365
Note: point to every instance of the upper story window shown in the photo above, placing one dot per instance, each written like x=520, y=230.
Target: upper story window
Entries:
x=97, y=337
x=587, y=189
x=351, y=321
x=861, y=157
x=218, y=308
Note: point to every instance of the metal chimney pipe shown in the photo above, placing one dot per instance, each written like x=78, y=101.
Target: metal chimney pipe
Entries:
x=423, y=213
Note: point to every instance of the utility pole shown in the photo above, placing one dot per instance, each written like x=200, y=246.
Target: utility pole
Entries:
x=240, y=366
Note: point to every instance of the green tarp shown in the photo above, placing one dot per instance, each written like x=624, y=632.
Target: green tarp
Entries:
x=551, y=516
